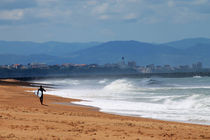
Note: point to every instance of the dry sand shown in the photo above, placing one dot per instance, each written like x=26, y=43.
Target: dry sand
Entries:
x=22, y=117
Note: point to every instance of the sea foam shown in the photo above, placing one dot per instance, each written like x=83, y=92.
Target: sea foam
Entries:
x=176, y=99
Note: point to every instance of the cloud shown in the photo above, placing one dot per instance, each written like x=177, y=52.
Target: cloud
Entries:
x=176, y=11
x=92, y=2
x=100, y=9
x=100, y=19
x=84, y=12
x=200, y=2
x=11, y=14
x=130, y=16
x=17, y=4
x=104, y=17
x=171, y=3
x=52, y=13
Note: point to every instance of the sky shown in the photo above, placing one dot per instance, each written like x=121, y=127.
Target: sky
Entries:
x=154, y=21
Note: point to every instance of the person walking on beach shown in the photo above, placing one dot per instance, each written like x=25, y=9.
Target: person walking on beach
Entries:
x=41, y=97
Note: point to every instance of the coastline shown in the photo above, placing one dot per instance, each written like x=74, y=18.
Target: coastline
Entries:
x=22, y=117
x=137, y=116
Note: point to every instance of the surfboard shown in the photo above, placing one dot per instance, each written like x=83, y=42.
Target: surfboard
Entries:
x=38, y=93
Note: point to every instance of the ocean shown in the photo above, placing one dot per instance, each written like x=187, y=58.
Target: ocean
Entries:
x=172, y=99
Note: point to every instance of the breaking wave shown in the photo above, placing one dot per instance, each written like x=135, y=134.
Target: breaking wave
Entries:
x=176, y=99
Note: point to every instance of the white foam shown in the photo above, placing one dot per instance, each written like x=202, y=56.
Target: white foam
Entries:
x=119, y=85
x=197, y=77
x=178, y=111
x=103, y=81
x=183, y=102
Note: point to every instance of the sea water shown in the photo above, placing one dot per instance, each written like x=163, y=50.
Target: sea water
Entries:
x=174, y=99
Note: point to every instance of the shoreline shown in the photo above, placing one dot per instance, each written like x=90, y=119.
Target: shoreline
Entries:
x=136, y=116
x=22, y=117
x=77, y=103
x=72, y=103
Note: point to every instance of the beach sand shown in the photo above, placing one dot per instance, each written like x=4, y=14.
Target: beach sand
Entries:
x=23, y=117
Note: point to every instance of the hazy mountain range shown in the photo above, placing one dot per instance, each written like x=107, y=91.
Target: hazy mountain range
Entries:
x=186, y=51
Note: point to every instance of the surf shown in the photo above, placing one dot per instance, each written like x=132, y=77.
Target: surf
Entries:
x=176, y=99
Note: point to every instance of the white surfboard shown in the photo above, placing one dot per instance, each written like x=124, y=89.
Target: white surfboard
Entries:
x=38, y=93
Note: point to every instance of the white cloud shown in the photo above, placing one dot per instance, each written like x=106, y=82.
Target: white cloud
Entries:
x=100, y=9
x=133, y=1
x=46, y=1
x=92, y=2
x=171, y=3
x=11, y=14
x=52, y=13
x=150, y=20
x=17, y=4
x=199, y=2
x=104, y=17
x=130, y=16
x=151, y=11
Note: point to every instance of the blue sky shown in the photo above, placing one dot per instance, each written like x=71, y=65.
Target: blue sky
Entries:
x=103, y=20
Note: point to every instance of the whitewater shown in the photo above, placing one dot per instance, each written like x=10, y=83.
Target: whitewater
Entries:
x=173, y=99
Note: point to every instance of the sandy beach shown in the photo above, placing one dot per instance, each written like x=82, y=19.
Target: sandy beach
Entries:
x=23, y=117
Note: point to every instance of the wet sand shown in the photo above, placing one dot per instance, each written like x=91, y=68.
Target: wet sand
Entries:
x=23, y=117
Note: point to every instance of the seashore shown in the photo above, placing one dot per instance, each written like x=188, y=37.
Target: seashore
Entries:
x=23, y=117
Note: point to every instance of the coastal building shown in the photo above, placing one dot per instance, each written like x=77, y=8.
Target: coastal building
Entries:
x=67, y=65
x=150, y=68
x=197, y=66
x=80, y=65
x=5, y=66
x=123, y=61
x=158, y=67
x=122, y=64
x=15, y=66
x=141, y=69
x=132, y=64
x=93, y=65
x=111, y=65
x=167, y=68
x=38, y=65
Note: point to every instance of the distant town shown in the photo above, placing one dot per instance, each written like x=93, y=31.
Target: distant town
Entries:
x=35, y=70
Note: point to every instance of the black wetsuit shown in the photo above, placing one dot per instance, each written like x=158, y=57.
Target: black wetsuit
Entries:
x=41, y=98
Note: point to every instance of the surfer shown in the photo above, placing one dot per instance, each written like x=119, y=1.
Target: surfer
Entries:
x=41, y=97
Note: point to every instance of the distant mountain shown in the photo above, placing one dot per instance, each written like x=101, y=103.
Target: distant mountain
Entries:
x=22, y=52
x=49, y=48
x=108, y=52
x=142, y=53
x=199, y=52
x=6, y=59
x=111, y=52
x=187, y=43
x=9, y=59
